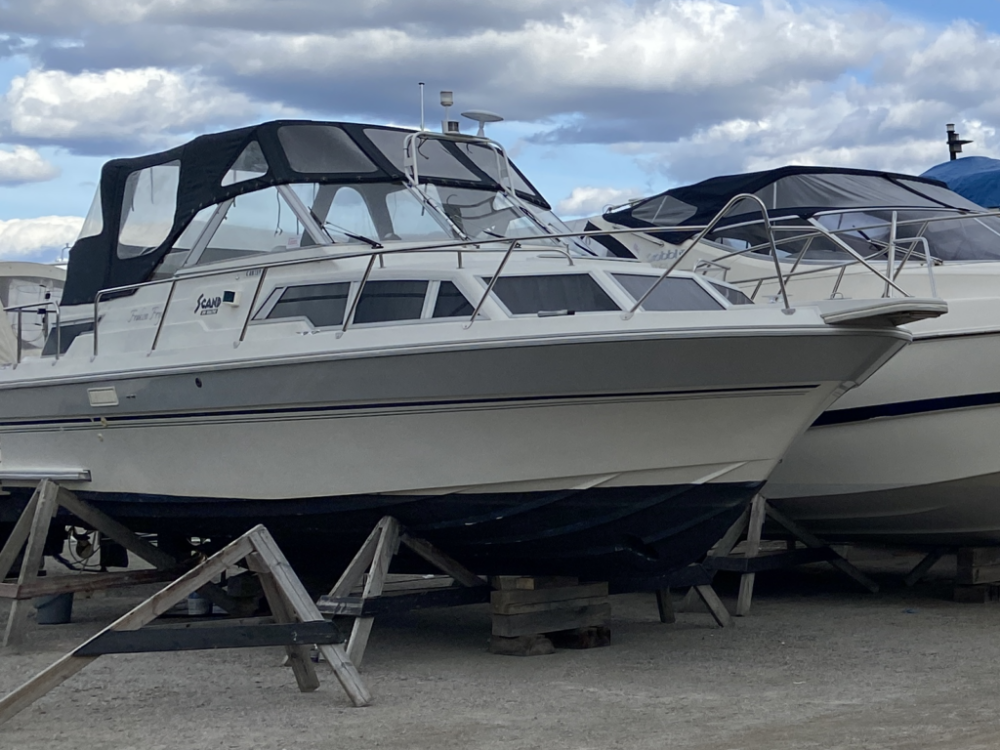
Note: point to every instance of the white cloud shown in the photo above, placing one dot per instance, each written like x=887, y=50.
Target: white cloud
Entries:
x=24, y=238
x=587, y=201
x=23, y=164
x=115, y=104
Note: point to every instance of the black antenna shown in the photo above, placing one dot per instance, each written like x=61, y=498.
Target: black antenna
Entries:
x=955, y=143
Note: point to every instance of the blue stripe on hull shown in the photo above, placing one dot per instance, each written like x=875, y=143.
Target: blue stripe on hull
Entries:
x=604, y=534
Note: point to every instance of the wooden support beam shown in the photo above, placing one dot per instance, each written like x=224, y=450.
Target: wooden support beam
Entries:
x=33, y=556
x=721, y=549
x=758, y=508
x=298, y=656
x=442, y=562
x=923, y=567
x=385, y=549
x=290, y=590
x=15, y=542
x=149, y=640
x=811, y=540
x=715, y=606
x=665, y=606
x=305, y=609
x=65, y=584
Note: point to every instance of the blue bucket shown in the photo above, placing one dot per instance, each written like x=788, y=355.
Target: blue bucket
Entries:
x=54, y=610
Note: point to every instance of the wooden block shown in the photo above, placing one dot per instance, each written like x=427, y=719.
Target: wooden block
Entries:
x=978, y=594
x=526, y=583
x=524, y=645
x=502, y=599
x=516, y=608
x=978, y=565
x=549, y=622
x=598, y=636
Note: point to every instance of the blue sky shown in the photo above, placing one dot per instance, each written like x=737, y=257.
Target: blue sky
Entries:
x=605, y=99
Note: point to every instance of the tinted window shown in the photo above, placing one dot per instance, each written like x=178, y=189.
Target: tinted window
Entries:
x=249, y=165
x=451, y=303
x=670, y=294
x=390, y=300
x=733, y=295
x=318, y=149
x=322, y=304
x=527, y=295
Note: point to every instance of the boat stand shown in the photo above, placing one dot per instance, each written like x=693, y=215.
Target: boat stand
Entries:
x=751, y=562
x=299, y=624
x=29, y=535
x=370, y=570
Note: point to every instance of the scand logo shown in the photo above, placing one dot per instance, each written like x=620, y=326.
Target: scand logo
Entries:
x=207, y=305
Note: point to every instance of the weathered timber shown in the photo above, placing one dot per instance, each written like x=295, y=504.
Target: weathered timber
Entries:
x=503, y=599
x=66, y=584
x=532, y=583
x=358, y=606
x=198, y=639
x=665, y=606
x=978, y=565
x=549, y=622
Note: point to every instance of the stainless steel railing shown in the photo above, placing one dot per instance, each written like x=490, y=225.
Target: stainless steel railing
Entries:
x=39, y=306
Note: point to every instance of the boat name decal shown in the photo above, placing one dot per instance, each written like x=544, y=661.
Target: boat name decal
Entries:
x=143, y=314
x=671, y=254
x=207, y=305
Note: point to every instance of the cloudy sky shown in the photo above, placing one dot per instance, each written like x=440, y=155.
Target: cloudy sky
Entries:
x=604, y=99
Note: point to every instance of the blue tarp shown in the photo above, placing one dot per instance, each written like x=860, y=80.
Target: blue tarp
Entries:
x=976, y=178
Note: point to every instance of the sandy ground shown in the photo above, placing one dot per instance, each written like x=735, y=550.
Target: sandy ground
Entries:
x=817, y=664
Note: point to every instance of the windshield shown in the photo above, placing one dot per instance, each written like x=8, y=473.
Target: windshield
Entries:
x=484, y=215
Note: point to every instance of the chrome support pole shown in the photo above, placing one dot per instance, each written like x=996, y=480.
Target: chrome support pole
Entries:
x=489, y=287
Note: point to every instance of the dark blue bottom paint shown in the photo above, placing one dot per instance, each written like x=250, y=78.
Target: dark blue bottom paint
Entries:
x=603, y=534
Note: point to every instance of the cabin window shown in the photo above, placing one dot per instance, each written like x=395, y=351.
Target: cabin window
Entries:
x=67, y=334
x=451, y=303
x=735, y=296
x=572, y=293
x=670, y=294
x=384, y=301
x=249, y=165
x=148, y=209
x=322, y=149
x=257, y=222
x=321, y=304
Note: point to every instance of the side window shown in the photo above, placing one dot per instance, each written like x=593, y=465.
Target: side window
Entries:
x=733, y=295
x=670, y=294
x=178, y=254
x=321, y=304
x=528, y=295
x=451, y=303
x=249, y=165
x=383, y=301
x=148, y=209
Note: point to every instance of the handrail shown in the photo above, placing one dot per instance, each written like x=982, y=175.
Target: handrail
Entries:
x=19, y=309
x=492, y=282
x=704, y=232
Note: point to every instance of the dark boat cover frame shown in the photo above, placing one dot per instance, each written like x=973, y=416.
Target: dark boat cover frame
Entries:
x=696, y=205
x=94, y=263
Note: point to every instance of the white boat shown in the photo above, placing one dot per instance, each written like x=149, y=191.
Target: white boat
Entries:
x=313, y=324
x=906, y=458
x=25, y=290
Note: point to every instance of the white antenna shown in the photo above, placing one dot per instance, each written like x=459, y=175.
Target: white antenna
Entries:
x=482, y=117
x=421, y=84
x=448, y=126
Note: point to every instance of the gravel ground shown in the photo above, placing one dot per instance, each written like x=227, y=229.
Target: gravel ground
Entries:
x=817, y=664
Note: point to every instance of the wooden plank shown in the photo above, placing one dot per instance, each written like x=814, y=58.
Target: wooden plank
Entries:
x=531, y=583
x=773, y=561
x=15, y=542
x=665, y=606
x=66, y=584
x=715, y=606
x=548, y=622
x=154, y=606
x=525, y=609
x=33, y=556
x=978, y=565
x=732, y=537
x=586, y=591
x=201, y=639
x=305, y=609
x=442, y=561
x=812, y=540
x=758, y=508
x=297, y=656
x=356, y=606
x=385, y=550
x=923, y=567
